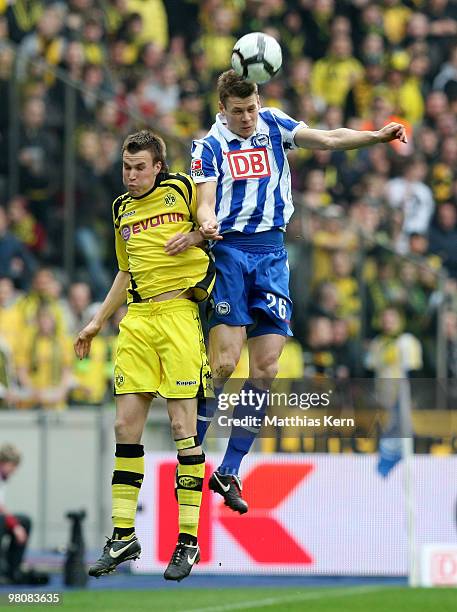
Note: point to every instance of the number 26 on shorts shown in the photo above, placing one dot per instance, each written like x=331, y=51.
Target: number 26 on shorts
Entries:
x=281, y=304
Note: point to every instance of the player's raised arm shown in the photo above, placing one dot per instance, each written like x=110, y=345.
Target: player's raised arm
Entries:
x=344, y=138
x=115, y=298
x=206, y=210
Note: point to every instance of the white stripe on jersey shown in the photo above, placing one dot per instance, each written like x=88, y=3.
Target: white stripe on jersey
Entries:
x=254, y=192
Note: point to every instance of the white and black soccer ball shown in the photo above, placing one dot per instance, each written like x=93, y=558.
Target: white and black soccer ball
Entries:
x=256, y=57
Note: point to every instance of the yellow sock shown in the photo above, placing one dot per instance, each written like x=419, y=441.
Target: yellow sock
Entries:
x=125, y=486
x=189, y=478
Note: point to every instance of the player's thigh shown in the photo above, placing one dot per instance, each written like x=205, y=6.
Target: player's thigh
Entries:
x=228, y=302
x=225, y=345
x=131, y=414
x=185, y=370
x=137, y=365
x=270, y=291
x=264, y=354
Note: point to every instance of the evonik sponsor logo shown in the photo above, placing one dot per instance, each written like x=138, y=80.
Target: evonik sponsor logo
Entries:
x=150, y=223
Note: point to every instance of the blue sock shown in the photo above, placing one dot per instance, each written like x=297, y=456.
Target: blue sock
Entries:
x=241, y=438
x=206, y=407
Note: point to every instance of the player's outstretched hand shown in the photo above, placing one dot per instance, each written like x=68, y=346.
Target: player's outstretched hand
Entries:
x=210, y=230
x=393, y=131
x=180, y=242
x=84, y=339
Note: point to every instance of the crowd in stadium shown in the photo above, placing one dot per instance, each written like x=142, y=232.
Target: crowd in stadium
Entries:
x=358, y=214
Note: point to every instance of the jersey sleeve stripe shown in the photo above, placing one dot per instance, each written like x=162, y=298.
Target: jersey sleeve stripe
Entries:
x=117, y=208
x=187, y=183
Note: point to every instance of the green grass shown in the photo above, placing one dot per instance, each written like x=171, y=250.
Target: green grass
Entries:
x=180, y=599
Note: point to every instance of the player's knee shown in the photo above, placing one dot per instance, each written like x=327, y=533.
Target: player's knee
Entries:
x=178, y=428
x=224, y=365
x=123, y=428
x=265, y=366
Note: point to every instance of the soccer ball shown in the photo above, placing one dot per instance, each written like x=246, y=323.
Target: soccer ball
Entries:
x=256, y=57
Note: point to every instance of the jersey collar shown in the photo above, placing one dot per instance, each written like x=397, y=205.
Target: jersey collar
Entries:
x=159, y=178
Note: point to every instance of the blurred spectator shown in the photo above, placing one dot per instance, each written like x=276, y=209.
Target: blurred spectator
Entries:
x=24, y=226
x=393, y=353
x=46, y=43
x=333, y=76
x=360, y=96
x=14, y=528
x=343, y=278
x=44, y=292
x=443, y=236
x=219, y=41
x=15, y=260
x=91, y=375
x=38, y=155
x=346, y=352
x=412, y=195
x=79, y=301
x=448, y=72
x=334, y=235
x=318, y=357
x=44, y=362
x=154, y=19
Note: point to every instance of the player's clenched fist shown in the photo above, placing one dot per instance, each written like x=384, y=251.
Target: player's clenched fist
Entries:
x=210, y=230
x=84, y=339
x=393, y=131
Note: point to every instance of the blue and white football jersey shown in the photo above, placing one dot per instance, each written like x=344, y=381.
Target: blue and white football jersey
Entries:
x=253, y=175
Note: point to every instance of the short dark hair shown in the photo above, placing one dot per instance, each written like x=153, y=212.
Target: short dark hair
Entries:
x=146, y=140
x=230, y=84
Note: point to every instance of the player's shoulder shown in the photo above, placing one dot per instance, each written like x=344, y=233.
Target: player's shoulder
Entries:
x=275, y=116
x=120, y=203
x=179, y=181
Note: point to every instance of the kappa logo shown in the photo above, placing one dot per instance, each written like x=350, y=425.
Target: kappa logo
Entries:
x=223, y=308
x=248, y=164
x=128, y=214
x=188, y=482
x=170, y=200
x=120, y=380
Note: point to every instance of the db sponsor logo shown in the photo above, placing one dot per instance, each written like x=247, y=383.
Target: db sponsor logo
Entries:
x=125, y=232
x=250, y=163
x=444, y=568
x=222, y=308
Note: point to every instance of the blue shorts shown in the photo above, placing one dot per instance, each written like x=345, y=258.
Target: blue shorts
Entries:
x=252, y=284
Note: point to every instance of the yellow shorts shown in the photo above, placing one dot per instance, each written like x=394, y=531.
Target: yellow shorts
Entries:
x=161, y=350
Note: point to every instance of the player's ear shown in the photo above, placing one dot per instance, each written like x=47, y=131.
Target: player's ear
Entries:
x=221, y=107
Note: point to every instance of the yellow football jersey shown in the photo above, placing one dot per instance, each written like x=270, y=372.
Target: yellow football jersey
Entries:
x=142, y=227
